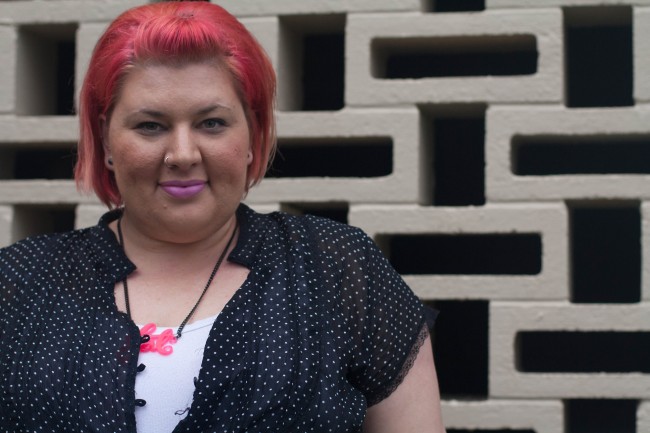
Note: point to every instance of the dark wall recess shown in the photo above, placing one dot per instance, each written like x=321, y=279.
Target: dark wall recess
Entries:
x=601, y=416
x=583, y=352
x=44, y=164
x=45, y=65
x=605, y=254
x=312, y=60
x=458, y=161
x=32, y=220
x=454, y=430
x=454, y=6
x=462, y=367
x=337, y=211
x=558, y=155
x=466, y=56
x=362, y=157
x=599, y=56
x=324, y=70
x=468, y=254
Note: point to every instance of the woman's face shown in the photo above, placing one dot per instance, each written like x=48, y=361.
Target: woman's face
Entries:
x=190, y=116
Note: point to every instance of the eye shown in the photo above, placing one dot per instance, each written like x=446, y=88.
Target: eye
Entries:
x=213, y=123
x=149, y=127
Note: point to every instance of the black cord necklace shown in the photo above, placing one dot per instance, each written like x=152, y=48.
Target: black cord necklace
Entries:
x=207, y=285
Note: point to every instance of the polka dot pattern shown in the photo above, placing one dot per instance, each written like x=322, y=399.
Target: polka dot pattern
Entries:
x=322, y=328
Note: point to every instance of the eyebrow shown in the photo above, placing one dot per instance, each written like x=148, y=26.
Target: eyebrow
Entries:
x=159, y=114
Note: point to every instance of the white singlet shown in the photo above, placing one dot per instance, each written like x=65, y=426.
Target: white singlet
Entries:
x=167, y=382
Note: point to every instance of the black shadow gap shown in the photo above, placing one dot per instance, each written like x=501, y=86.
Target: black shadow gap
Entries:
x=583, y=352
x=465, y=254
x=561, y=155
x=601, y=416
x=32, y=163
x=455, y=56
x=362, y=158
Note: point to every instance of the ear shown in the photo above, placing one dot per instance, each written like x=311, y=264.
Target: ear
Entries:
x=249, y=158
x=108, y=159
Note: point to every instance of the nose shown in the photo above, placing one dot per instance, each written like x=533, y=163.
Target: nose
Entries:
x=183, y=151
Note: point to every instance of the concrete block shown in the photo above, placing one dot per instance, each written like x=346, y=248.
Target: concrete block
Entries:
x=63, y=11
x=537, y=416
x=41, y=130
x=264, y=208
x=509, y=318
x=42, y=192
x=503, y=123
x=88, y=215
x=643, y=417
x=297, y=7
x=641, y=44
x=87, y=36
x=645, y=251
x=8, y=54
x=400, y=125
x=530, y=4
x=544, y=86
x=549, y=220
x=6, y=222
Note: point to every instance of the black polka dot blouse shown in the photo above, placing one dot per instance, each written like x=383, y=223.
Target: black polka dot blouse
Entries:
x=322, y=328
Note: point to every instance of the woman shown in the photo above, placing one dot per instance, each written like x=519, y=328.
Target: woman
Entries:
x=183, y=309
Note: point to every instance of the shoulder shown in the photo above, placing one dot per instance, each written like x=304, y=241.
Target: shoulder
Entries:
x=25, y=257
x=322, y=234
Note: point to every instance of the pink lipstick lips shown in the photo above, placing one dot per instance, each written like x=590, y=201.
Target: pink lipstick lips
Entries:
x=183, y=189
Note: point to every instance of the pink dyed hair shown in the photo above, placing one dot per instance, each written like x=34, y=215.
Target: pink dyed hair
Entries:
x=173, y=33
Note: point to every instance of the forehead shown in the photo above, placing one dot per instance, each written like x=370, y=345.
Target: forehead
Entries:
x=177, y=86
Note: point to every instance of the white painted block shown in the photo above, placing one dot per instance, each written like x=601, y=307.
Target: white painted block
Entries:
x=363, y=89
x=503, y=123
x=509, y=318
x=323, y=7
x=8, y=38
x=641, y=45
x=643, y=417
x=42, y=192
x=88, y=215
x=63, y=11
x=547, y=220
x=6, y=223
x=38, y=130
x=531, y=4
x=538, y=416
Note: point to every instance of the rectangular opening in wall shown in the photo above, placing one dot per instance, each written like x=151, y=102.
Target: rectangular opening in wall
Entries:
x=599, y=56
x=313, y=62
x=465, y=254
x=457, y=138
x=45, y=69
x=462, y=368
x=345, y=157
x=32, y=220
x=483, y=430
x=32, y=162
x=337, y=211
x=601, y=416
x=605, y=253
x=583, y=352
x=559, y=155
x=461, y=56
x=453, y=5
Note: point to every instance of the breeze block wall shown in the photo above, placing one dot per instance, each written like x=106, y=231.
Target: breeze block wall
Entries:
x=497, y=150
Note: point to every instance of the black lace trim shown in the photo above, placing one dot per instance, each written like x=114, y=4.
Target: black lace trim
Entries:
x=406, y=367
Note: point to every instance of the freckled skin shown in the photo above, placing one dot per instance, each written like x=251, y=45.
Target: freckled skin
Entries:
x=192, y=114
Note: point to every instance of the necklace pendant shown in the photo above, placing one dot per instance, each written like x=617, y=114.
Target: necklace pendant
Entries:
x=160, y=343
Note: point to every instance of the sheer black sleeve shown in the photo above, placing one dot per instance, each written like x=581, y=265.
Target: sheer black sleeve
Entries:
x=386, y=322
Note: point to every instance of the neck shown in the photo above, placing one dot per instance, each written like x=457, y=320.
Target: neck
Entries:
x=175, y=249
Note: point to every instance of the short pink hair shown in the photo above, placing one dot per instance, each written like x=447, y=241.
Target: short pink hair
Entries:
x=173, y=32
